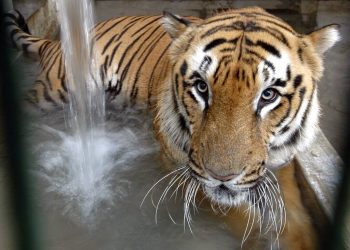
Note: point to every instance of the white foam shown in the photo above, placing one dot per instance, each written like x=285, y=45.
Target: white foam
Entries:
x=82, y=167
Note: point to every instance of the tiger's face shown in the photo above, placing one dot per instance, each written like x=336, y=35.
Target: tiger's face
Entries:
x=242, y=96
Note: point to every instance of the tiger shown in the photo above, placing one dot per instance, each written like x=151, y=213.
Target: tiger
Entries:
x=233, y=99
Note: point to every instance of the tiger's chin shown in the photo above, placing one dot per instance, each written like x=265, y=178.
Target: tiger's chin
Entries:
x=225, y=196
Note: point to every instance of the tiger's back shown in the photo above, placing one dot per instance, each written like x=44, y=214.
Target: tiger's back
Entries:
x=130, y=53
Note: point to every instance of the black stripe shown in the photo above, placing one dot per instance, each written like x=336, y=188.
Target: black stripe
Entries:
x=183, y=123
x=268, y=47
x=241, y=47
x=276, y=34
x=62, y=96
x=108, y=44
x=289, y=98
x=214, y=44
x=189, y=92
x=151, y=44
x=185, y=84
x=285, y=129
x=294, y=137
x=280, y=25
x=222, y=19
x=301, y=96
x=118, y=36
x=47, y=96
x=183, y=68
x=46, y=52
x=260, y=14
x=111, y=27
x=227, y=50
x=59, y=68
x=34, y=40
x=288, y=73
x=126, y=68
x=154, y=43
x=205, y=63
x=22, y=22
x=176, y=105
x=189, y=43
x=195, y=75
x=113, y=53
x=133, y=93
x=176, y=83
x=252, y=52
x=307, y=111
x=226, y=77
x=145, y=25
x=150, y=83
x=300, y=54
x=100, y=25
x=105, y=64
x=48, y=70
x=243, y=74
x=297, y=81
x=63, y=84
x=279, y=83
x=50, y=57
x=43, y=47
x=217, y=29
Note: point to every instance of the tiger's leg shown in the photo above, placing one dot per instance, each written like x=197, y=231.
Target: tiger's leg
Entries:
x=299, y=232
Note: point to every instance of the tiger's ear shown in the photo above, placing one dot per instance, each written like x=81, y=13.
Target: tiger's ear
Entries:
x=325, y=37
x=174, y=25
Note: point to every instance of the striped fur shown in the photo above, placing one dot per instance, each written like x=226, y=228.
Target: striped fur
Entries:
x=232, y=96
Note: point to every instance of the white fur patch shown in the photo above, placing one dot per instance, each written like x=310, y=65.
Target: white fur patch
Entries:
x=327, y=39
x=195, y=64
x=198, y=97
x=169, y=120
x=269, y=107
x=197, y=58
x=282, y=155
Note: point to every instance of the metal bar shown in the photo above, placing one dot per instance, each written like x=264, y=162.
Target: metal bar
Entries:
x=16, y=157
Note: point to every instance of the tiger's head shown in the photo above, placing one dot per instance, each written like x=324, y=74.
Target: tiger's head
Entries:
x=241, y=96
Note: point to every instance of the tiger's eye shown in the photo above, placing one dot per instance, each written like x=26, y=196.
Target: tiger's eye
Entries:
x=202, y=86
x=269, y=95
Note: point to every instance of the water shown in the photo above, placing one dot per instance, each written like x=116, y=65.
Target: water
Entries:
x=87, y=148
x=117, y=221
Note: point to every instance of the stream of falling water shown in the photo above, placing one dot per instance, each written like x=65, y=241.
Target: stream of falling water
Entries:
x=86, y=113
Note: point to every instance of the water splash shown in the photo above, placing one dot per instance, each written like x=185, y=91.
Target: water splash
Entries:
x=125, y=137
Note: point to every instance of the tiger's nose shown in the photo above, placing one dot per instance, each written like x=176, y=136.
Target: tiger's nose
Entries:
x=221, y=177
